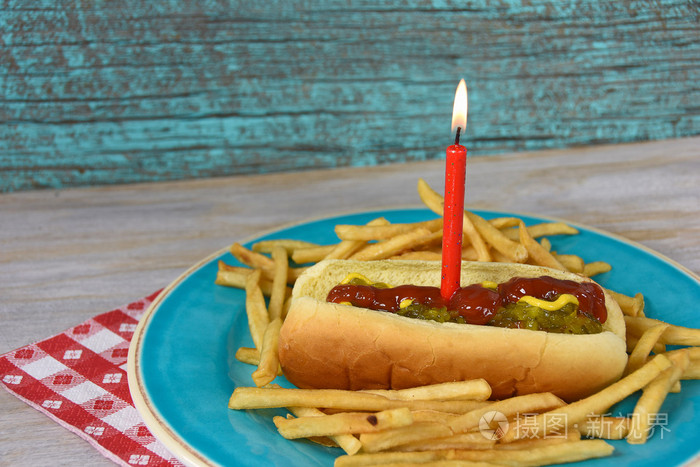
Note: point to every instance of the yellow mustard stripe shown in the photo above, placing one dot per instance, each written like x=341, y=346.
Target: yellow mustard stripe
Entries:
x=489, y=285
x=405, y=302
x=354, y=275
x=557, y=304
x=357, y=276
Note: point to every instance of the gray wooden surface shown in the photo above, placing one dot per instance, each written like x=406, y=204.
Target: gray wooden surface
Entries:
x=112, y=92
x=70, y=254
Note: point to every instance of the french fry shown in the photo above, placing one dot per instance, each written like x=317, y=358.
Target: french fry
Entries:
x=269, y=362
x=385, y=440
x=549, y=453
x=433, y=416
x=596, y=267
x=653, y=396
x=388, y=458
x=265, y=398
x=676, y=386
x=673, y=335
x=693, y=353
x=571, y=262
x=499, y=257
x=347, y=248
x=432, y=242
x=286, y=305
x=294, y=273
x=235, y=276
x=546, y=244
x=258, y=398
x=476, y=389
x=388, y=248
x=577, y=412
x=473, y=440
x=552, y=228
x=312, y=254
x=693, y=371
x=231, y=276
x=475, y=238
x=419, y=255
x=343, y=423
x=249, y=355
x=514, y=251
x=680, y=335
x=235, y=279
x=266, y=246
x=258, y=318
x=431, y=198
x=632, y=343
x=251, y=258
x=536, y=252
x=554, y=453
x=630, y=306
x=279, y=282
x=382, y=232
x=505, y=223
x=644, y=346
x=570, y=435
x=348, y=443
x=470, y=254
x=509, y=227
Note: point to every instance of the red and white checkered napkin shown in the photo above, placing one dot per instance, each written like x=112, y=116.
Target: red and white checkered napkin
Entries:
x=78, y=379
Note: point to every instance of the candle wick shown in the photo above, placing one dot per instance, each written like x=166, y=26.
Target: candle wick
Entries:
x=459, y=130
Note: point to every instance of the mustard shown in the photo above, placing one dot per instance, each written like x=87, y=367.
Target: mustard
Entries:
x=355, y=275
x=558, y=304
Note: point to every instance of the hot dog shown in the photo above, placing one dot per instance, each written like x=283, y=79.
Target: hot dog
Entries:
x=336, y=345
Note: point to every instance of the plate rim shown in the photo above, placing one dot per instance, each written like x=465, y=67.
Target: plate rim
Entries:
x=159, y=426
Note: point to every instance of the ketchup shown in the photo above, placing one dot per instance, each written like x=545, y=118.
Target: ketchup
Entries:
x=386, y=299
x=475, y=303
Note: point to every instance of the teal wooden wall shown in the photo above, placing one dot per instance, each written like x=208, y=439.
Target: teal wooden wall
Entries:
x=101, y=92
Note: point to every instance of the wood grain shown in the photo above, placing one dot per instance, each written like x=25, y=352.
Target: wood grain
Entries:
x=95, y=93
x=67, y=255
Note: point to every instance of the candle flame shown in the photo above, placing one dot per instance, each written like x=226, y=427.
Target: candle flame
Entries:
x=459, y=110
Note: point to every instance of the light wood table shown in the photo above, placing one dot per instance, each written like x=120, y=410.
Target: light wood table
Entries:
x=68, y=255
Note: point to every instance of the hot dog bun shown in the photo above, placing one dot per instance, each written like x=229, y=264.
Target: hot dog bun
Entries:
x=327, y=345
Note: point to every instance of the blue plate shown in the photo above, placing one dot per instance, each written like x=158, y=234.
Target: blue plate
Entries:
x=182, y=371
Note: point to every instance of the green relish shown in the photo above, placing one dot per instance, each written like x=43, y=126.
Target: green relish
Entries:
x=566, y=320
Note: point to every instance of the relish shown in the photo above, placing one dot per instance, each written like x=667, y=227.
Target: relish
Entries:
x=566, y=320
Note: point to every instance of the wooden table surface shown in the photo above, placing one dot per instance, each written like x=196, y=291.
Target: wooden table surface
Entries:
x=68, y=255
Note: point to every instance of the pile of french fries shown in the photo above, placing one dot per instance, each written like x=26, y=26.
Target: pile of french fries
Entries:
x=451, y=423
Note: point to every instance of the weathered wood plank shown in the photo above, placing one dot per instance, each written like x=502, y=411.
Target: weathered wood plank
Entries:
x=99, y=93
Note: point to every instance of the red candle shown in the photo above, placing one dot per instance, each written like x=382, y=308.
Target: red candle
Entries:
x=453, y=210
